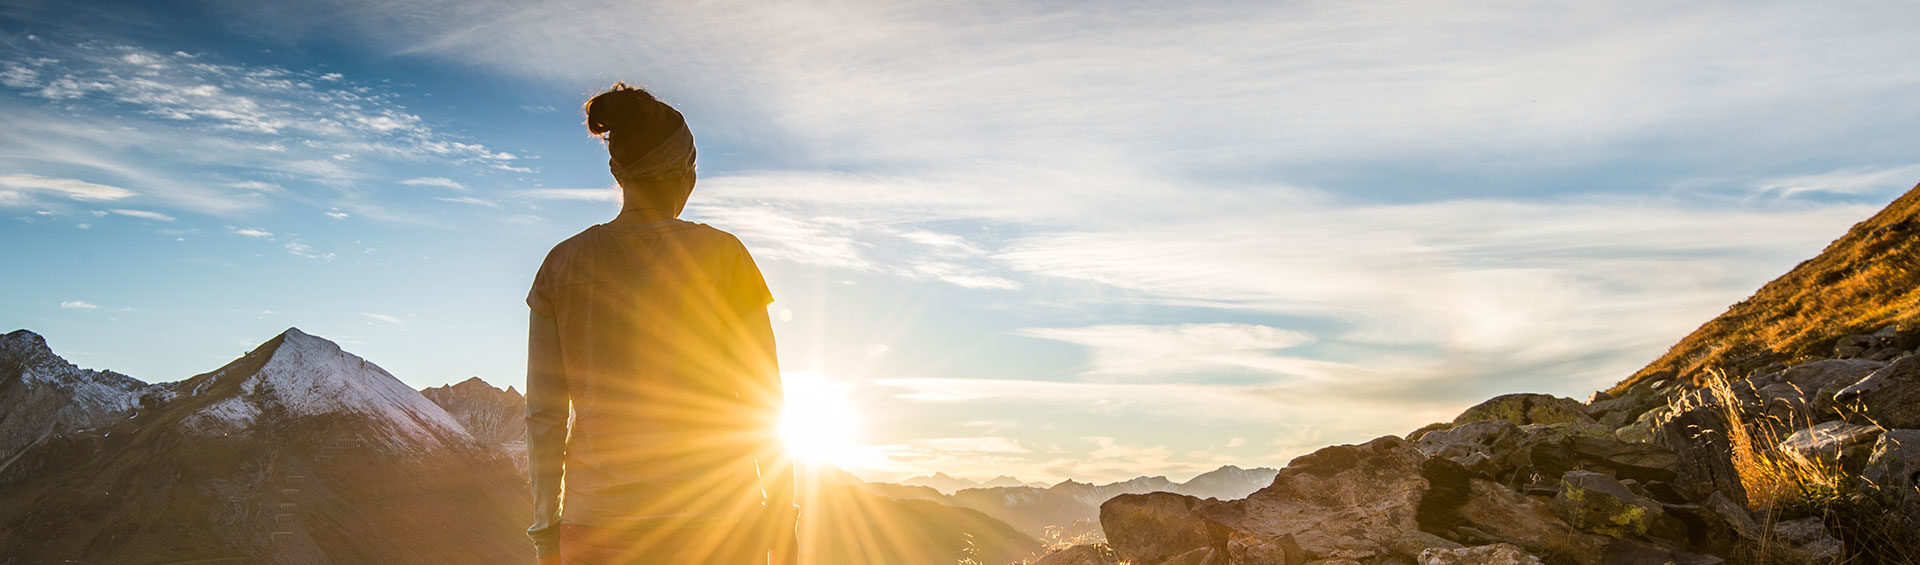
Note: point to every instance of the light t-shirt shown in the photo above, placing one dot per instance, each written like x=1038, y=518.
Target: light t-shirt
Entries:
x=670, y=386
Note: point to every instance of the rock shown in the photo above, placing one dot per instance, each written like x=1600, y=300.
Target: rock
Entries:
x=1895, y=463
x=1415, y=435
x=1356, y=502
x=1526, y=408
x=1852, y=346
x=1698, y=438
x=1475, y=446
x=1829, y=441
x=1153, y=527
x=1645, y=426
x=1543, y=453
x=1808, y=541
x=1494, y=513
x=1600, y=504
x=1495, y=554
x=1735, y=515
x=1095, y=554
x=1620, y=410
x=1890, y=397
x=1793, y=394
x=1635, y=552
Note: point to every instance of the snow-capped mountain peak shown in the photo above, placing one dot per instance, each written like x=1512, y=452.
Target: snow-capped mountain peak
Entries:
x=306, y=375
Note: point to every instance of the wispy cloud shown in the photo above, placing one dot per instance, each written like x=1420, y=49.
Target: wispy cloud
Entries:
x=383, y=318
x=183, y=125
x=16, y=189
x=469, y=200
x=78, y=305
x=440, y=182
x=1128, y=349
x=144, y=215
x=1855, y=180
x=250, y=232
x=608, y=194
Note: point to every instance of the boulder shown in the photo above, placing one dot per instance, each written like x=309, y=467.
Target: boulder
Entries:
x=1356, y=502
x=1476, y=446
x=1836, y=442
x=1895, y=463
x=1699, y=440
x=1542, y=453
x=1601, y=504
x=1807, y=540
x=1095, y=554
x=1527, y=408
x=1645, y=426
x=1800, y=394
x=1493, y=513
x=1617, y=411
x=1154, y=527
x=1889, y=397
x=1495, y=554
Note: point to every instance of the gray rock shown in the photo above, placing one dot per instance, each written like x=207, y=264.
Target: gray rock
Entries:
x=1495, y=554
x=1154, y=527
x=1698, y=437
x=1793, y=395
x=1890, y=397
x=1354, y=502
x=1644, y=426
x=1494, y=513
x=1828, y=441
x=1895, y=464
x=1807, y=540
x=1474, y=446
x=1599, y=503
x=1526, y=408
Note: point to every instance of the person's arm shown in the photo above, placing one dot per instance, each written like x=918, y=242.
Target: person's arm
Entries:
x=776, y=468
x=547, y=409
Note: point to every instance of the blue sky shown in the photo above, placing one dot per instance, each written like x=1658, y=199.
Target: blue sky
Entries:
x=1041, y=239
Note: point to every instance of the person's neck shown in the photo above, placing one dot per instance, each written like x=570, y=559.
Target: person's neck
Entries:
x=642, y=216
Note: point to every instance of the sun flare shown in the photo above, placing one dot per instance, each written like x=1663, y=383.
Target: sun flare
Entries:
x=818, y=423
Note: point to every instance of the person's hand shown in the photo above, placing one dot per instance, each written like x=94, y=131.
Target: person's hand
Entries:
x=548, y=560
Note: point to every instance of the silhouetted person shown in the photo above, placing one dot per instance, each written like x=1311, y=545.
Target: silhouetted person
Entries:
x=654, y=331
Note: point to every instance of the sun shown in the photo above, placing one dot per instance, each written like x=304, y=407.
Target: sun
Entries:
x=818, y=423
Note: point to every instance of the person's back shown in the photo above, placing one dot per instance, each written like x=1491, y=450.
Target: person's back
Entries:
x=653, y=331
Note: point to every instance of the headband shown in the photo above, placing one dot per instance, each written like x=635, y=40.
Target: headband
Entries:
x=673, y=156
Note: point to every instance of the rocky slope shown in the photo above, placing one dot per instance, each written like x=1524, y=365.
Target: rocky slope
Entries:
x=45, y=396
x=495, y=418
x=1070, y=509
x=297, y=452
x=1785, y=431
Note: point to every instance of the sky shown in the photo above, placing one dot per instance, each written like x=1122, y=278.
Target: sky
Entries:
x=1050, y=240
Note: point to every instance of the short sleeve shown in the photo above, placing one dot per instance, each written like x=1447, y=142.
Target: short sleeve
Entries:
x=540, y=297
x=750, y=286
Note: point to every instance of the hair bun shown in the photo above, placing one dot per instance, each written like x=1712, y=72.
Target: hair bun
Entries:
x=631, y=119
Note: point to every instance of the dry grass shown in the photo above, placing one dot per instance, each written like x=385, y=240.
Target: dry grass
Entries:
x=1866, y=280
x=1785, y=484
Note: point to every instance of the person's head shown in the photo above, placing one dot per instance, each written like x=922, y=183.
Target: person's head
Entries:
x=651, y=148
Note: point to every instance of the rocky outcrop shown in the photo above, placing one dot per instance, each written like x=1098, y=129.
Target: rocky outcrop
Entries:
x=1890, y=397
x=497, y=419
x=43, y=396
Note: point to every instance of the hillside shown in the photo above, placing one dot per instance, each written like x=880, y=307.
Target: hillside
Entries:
x=1865, y=281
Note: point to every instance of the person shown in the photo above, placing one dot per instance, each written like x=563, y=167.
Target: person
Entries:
x=653, y=390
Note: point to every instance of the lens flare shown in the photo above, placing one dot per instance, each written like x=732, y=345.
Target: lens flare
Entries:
x=818, y=423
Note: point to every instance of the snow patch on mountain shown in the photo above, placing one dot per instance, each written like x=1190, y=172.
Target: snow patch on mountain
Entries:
x=306, y=375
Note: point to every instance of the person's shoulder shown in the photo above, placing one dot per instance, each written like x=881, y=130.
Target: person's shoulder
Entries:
x=716, y=236
x=574, y=243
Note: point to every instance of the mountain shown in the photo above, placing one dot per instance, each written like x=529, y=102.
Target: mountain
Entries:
x=44, y=395
x=495, y=418
x=1865, y=282
x=297, y=452
x=1070, y=505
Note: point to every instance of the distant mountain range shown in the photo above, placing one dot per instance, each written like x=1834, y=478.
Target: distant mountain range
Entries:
x=301, y=452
